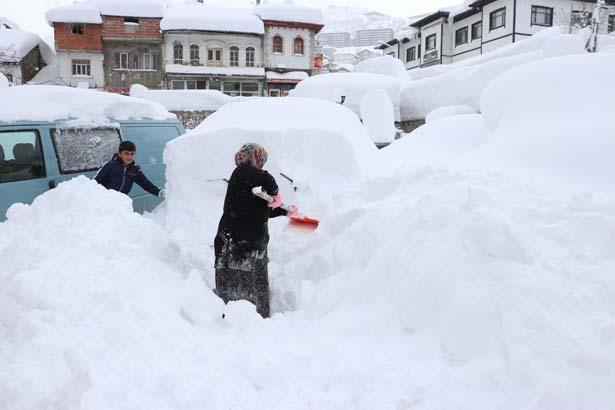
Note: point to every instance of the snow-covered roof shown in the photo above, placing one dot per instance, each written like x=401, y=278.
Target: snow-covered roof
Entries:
x=290, y=12
x=131, y=8
x=74, y=13
x=54, y=103
x=230, y=71
x=16, y=44
x=205, y=18
x=6, y=23
x=290, y=76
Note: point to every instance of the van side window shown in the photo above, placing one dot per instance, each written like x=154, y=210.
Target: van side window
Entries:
x=21, y=157
x=84, y=149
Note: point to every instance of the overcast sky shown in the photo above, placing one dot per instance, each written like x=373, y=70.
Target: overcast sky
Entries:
x=29, y=14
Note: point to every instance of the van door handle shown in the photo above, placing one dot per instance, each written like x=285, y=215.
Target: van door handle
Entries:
x=52, y=184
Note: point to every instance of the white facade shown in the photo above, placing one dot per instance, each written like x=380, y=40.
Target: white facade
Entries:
x=486, y=25
x=65, y=59
x=288, y=59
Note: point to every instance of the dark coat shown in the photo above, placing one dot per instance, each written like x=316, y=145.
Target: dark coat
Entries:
x=114, y=175
x=243, y=235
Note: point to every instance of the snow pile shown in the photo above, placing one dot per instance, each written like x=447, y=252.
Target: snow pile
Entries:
x=448, y=111
x=290, y=12
x=206, y=18
x=548, y=127
x=183, y=100
x=291, y=75
x=51, y=103
x=462, y=83
x=385, y=65
x=352, y=86
x=132, y=8
x=319, y=145
x=378, y=117
x=74, y=13
x=16, y=44
x=4, y=82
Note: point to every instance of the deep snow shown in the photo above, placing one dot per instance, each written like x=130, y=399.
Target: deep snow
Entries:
x=436, y=280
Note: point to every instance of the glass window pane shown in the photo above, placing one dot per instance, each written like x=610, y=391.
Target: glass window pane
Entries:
x=20, y=156
x=191, y=85
x=178, y=85
x=81, y=150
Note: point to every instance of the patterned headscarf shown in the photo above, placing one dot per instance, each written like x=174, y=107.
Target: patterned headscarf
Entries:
x=251, y=154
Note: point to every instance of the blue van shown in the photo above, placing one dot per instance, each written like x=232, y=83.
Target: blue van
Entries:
x=36, y=156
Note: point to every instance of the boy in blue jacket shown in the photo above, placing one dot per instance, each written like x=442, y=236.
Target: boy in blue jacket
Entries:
x=121, y=172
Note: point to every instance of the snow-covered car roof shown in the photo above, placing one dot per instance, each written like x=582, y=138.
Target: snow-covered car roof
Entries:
x=59, y=103
x=205, y=18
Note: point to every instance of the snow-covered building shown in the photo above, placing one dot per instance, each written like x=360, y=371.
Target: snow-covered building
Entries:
x=479, y=26
x=289, y=43
x=213, y=48
x=132, y=43
x=78, y=43
x=20, y=55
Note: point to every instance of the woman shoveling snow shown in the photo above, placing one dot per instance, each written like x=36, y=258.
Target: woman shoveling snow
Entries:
x=241, y=242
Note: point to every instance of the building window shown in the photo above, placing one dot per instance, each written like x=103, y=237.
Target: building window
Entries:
x=9, y=77
x=178, y=54
x=214, y=57
x=81, y=67
x=76, y=28
x=278, y=44
x=461, y=36
x=298, y=46
x=430, y=42
x=120, y=61
x=194, y=54
x=21, y=157
x=542, y=16
x=611, y=26
x=477, y=30
x=131, y=24
x=497, y=18
x=134, y=62
x=411, y=54
x=234, y=56
x=249, y=57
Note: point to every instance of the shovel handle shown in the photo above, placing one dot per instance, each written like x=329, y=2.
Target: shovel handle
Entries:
x=259, y=192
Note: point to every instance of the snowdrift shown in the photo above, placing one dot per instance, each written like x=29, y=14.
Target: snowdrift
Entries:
x=463, y=83
x=183, y=100
x=353, y=86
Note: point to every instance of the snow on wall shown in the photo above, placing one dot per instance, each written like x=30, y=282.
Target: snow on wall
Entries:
x=183, y=100
x=288, y=11
x=206, y=18
x=51, y=103
x=351, y=85
x=74, y=13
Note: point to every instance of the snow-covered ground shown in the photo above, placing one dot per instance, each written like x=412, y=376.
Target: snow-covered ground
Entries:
x=468, y=265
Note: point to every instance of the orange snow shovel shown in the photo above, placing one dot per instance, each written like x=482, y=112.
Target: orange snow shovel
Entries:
x=300, y=221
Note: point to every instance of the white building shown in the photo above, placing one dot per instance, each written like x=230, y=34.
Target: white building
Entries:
x=338, y=39
x=78, y=44
x=450, y=35
x=213, y=48
x=372, y=37
x=289, y=44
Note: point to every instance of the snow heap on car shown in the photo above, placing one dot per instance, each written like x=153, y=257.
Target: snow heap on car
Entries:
x=53, y=103
x=183, y=100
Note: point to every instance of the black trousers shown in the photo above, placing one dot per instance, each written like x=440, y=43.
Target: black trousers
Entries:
x=253, y=286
